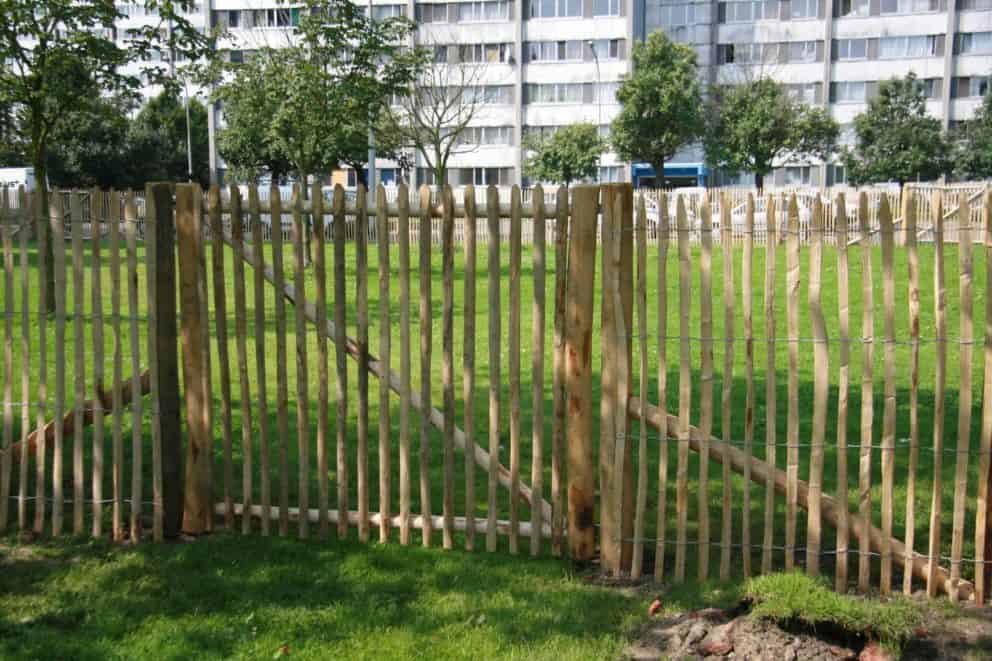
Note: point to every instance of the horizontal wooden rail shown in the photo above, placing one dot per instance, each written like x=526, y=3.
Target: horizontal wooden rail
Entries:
x=392, y=209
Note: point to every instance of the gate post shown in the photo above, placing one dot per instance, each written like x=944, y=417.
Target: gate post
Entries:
x=578, y=373
x=197, y=508
x=164, y=353
x=616, y=467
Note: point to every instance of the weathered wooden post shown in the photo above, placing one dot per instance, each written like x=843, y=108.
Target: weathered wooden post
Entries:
x=578, y=373
x=165, y=355
x=616, y=467
x=197, y=507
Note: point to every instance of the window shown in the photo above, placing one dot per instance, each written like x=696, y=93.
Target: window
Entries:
x=489, y=53
x=802, y=51
x=606, y=92
x=908, y=6
x=432, y=13
x=555, y=8
x=931, y=87
x=492, y=94
x=382, y=12
x=973, y=43
x=607, y=49
x=896, y=47
x=852, y=8
x=974, y=4
x=554, y=93
x=851, y=49
x=836, y=175
x=605, y=7
x=554, y=51
x=488, y=176
x=611, y=173
x=498, y=10
x=978, y=86
x=805, y=8
x=803, y=92
x=849, y=92
x=745, y=12
x=746, y=53
x=486, y=135
x=798, y=176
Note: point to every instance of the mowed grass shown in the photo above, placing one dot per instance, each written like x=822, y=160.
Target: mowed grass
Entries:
x=228, y=596
x=928, y=352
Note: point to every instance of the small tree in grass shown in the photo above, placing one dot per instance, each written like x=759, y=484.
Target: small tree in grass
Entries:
x=755, y=124
x=974, y=154
x=570, y=153
x=662, y=103
x=896, y=139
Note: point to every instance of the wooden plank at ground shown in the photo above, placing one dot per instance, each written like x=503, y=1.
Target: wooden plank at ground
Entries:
x=323, y=395
x=537, y=368
x=58, y=236
x=966, y=333
x=385, y=355
x=685, y=389
x=96, y=292
x=468, y=364
x=79, y=354
x=662, y=341
x=258, y=261
x=747, y=305
x=116, y=434
x=913, y=261
x=558, y=497
x=161, y=291
x=241, y=347
x=282, y=388
x=640, y=505
x=705, y=380
x=578, y=372
x=220, y=335
x=514, y=365
x=770, y=401
x=362, y=336
x=425, y=361
x=727, y=380
x=940, y=378
x=792, y=279
x=340, y=359
x=43, y=218
x=403, y=238
x=982, y=522
x=22, y=484
x=495, y=339
x=448, y=362
x=302, y=376
x=843, y=385
x=206, y=376
x=867, y=412
x=888, y=449
x=6, y=226
x=821, y=391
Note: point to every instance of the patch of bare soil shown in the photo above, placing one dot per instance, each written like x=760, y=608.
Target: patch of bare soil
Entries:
x=714, y=634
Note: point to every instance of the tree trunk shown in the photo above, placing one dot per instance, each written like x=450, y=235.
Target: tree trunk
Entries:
x=759, y=181
x=307, y=223
x=659, y=173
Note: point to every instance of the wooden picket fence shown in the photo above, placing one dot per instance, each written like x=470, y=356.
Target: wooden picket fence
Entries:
x=274, y=441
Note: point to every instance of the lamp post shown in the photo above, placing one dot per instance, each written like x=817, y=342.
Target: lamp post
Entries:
x=599, y=100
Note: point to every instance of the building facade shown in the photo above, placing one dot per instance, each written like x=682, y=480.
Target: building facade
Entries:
x=549, y=63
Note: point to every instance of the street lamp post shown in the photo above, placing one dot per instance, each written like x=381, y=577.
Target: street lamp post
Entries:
x=599, y=101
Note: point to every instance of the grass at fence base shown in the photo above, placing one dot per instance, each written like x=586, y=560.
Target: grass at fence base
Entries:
x=231, y=597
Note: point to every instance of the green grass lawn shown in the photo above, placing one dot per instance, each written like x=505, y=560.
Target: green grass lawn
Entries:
x=830, y=287
x=232, y=597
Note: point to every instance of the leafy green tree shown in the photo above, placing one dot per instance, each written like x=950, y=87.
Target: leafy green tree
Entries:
x=570, y=153
x=662, y=103
x=753, y=125
x=158, y=144
x=56, y=54
x=90, y=145
x=896, y=139
x=974, y=154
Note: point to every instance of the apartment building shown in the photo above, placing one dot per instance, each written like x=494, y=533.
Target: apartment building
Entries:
x=549, y=63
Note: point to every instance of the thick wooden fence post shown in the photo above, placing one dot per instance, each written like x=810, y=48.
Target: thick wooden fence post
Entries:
x=167, y=358
x=197, y=506
x=578, y=373
x=616, y=467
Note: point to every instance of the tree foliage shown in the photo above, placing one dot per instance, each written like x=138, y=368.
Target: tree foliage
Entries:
x=661, y=103
x=753, y=125
x=896, y=139
x=974, y=154
x=569, y=154
x=157, y=143
x=90, y=146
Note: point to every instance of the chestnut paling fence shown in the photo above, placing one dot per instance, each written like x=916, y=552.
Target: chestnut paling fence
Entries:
x=563, y=375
